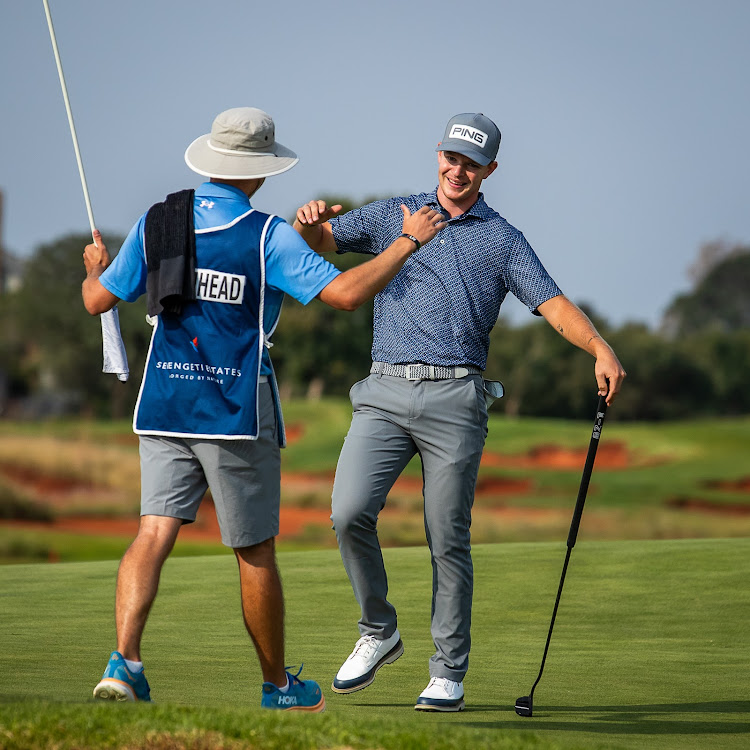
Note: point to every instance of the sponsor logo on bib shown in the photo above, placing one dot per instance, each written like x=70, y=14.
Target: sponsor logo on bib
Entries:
x=214, y=286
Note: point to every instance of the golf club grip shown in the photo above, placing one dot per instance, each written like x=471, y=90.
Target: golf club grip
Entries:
x=587, y=469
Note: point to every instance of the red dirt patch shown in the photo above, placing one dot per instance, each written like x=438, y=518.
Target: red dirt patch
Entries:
x=292, y=521
x=41, y=482
x=729, y=485
x=707, y=506
x=611, y=455
x=294, y=432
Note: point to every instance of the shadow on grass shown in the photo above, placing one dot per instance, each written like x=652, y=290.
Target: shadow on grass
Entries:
x=653, y=718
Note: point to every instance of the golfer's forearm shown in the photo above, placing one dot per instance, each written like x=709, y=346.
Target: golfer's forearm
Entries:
x=359, y=284
x=573, y=325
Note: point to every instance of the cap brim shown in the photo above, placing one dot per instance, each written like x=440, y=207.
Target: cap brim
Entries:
x=462, y=147
x=201, y=158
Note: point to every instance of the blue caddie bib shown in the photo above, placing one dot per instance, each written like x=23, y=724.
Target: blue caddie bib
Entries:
x=201, y=373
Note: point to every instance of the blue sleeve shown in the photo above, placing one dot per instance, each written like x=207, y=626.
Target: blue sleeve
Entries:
x=368, y=229
x=526, y=277
x=292, y=267
x=125, y=277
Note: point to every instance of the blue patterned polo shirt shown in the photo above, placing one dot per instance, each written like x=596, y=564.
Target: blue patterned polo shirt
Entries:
x=442, y=305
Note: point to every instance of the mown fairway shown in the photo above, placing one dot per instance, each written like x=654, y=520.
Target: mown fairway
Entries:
x=650, y=650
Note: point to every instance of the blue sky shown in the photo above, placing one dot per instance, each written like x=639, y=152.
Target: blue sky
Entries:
x=625, y=124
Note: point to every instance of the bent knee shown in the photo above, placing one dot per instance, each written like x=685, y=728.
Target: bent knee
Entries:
x=265, y=546
x=157, y=533
x=156, y=528
x=351, y=519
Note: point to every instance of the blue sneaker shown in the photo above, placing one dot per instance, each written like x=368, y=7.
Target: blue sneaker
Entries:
x=120, y=684
x=301, y=695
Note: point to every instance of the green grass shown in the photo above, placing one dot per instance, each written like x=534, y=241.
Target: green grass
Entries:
x=649, y=650
x=19, y=546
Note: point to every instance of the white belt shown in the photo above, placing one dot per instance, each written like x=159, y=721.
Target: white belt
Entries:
x=420, y=371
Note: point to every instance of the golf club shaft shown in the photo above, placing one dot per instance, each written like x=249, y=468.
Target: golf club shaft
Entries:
x=70, y=116
x=587, y=469
x=576, y=522
x=552, y=621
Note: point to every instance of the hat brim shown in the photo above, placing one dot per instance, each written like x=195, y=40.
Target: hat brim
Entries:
x=201, y=158
x=464, y=148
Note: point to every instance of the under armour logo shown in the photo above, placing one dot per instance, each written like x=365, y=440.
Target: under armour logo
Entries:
x=206, y=204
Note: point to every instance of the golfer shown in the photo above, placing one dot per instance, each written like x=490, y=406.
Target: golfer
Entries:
x=425, y=393
x=215, y=271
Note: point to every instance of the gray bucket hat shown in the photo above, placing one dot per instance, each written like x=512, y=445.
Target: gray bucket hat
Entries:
x=473, y=135
x=241, y=146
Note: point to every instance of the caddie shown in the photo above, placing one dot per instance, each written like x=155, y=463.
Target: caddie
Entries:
x=215, y=271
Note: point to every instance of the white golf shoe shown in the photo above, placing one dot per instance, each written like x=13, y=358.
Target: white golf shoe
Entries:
x=441, y=694
x=369, y=654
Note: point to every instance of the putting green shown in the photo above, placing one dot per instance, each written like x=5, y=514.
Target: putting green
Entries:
x=649, y=650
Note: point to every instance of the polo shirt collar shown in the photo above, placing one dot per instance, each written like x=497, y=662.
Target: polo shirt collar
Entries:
x=218, y=190
x=479, y=210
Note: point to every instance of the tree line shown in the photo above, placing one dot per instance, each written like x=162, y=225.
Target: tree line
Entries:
x=695, y=364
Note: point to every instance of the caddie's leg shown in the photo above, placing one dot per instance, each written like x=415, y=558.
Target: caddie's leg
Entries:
x=375, y=452
x=172, y=485
x=138, y=580
x=263, y=607
x=451, y=439
x=245, y=477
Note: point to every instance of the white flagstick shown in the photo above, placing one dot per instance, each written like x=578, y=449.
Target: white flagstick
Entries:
x=115, y=358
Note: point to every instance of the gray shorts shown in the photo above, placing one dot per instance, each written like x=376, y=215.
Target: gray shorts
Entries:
x=244, y=477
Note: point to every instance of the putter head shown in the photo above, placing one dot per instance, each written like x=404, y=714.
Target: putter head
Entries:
x=524, y=706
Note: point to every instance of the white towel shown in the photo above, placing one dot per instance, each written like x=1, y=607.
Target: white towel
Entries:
x=115, y=356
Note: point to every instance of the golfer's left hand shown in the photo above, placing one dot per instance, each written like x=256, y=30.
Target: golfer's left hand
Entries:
x=609, y=374
x=424, y=223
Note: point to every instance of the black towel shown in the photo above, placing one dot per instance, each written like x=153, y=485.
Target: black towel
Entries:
x=170, y=254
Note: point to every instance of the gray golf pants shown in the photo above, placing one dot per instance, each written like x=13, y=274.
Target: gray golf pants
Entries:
x=445, y=421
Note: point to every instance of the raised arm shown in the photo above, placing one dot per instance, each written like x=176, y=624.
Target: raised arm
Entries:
x=96, y=299
x=312, y=224
x=361, y=283
x=573, y=324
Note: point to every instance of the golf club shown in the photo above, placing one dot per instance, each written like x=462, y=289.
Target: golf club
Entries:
x=525, y=704
x=115, y=358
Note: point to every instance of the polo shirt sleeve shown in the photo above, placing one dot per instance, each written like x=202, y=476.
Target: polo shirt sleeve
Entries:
x=526, y=277
x=362, y=230
x=292, y=267
x=125, y=276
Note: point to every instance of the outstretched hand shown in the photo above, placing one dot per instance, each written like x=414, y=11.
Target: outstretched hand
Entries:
x=423, y=224
x=316, y=212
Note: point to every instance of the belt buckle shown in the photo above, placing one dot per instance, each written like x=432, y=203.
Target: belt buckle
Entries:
x=409, y=376
x=429, y=372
